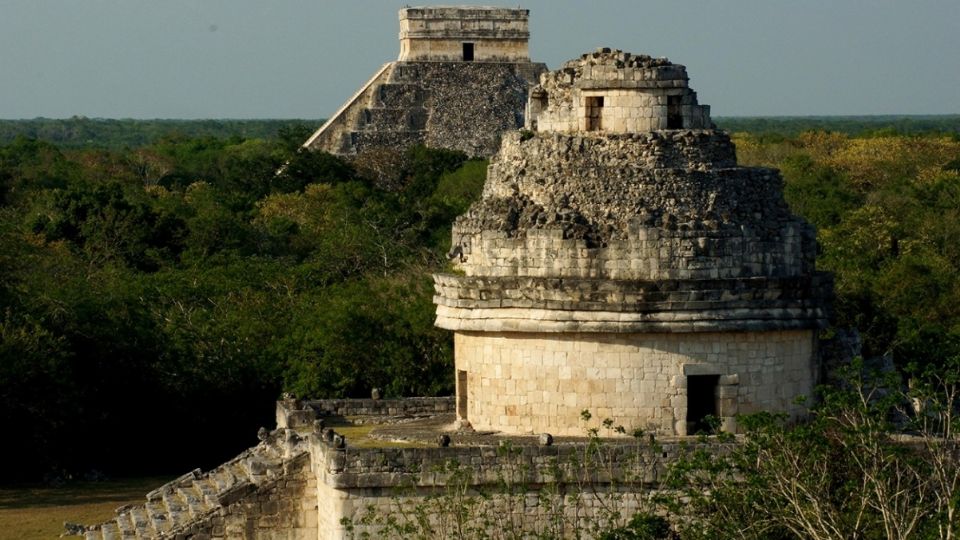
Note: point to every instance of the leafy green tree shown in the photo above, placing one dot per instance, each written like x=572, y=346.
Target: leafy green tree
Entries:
x=384, y=325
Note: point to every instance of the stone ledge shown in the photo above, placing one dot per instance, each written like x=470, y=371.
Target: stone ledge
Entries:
x=574, y=305
x=415, y=406
x=519, y=320
x=429, y=467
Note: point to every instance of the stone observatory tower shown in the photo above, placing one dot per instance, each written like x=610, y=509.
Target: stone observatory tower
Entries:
x=621, y=262
x=461, y=80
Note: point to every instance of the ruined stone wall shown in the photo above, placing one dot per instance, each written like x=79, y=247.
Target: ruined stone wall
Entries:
x=636, y=94
x=527, y=383
x=284, y=508
x=538, y=304
x=409, y=407
x=451, y=50
x=521, y=483
x=652, y=206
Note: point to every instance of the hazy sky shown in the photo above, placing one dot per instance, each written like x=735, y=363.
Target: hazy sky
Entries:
x=303, y=58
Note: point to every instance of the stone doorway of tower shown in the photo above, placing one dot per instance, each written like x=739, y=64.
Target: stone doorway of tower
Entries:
x=468, y=52
x=709, y=394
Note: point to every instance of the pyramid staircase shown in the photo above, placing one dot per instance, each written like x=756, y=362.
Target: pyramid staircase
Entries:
x=175, y=509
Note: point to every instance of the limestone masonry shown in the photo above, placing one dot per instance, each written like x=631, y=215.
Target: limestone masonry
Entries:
x=461, y=80
x=620, y=261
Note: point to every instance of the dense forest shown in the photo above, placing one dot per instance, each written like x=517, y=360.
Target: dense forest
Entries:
x=160, y=289
x=154, y=301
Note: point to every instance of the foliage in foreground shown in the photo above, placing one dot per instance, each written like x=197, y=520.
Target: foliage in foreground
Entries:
x=521, y=498
x=873, y=461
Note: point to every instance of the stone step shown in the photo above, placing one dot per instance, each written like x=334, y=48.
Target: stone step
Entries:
x=194, y=500
x=157, y=514
x=141, y=522
x=405, y=73
x=241, y=471
x=393, y=119
x=110, y=531
x=93, y=535
x=257, y=468
x=399, y=95
x=207, y=489
x=177, y=509
x=125, y=524
x=223, y=478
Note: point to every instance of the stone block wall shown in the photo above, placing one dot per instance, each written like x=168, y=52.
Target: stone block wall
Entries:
x=437, y=33
x=408, y=407
x=532, y=383
x=521, y=484
x=615, y=92
x=623, y=111
x=284, y=508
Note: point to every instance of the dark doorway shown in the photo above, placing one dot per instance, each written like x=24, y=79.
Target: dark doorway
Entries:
x=701, y=402
x=462, y=394
x=674, y=112
x=468, y=52
x=594, y=112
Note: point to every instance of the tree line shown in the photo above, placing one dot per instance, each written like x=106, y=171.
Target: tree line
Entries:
x=155, y=301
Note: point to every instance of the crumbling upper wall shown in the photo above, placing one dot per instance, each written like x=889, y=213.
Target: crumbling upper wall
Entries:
x=613, y=91
x=446, y=34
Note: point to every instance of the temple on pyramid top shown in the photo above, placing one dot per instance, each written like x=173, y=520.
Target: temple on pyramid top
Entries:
x=460, y=82
x=463, y=33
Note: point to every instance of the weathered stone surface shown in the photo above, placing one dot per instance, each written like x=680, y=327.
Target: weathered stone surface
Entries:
x=432, y=95
x=611, y=260
x=612, y=91
x=439, y=33
x=269, y=484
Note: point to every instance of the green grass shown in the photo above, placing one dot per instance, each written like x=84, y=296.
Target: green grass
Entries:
x=358, y=436
x=31, y=513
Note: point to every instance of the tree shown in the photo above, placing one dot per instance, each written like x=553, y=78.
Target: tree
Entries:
x=868, y=464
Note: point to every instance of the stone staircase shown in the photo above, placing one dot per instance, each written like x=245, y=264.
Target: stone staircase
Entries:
x=175, y=509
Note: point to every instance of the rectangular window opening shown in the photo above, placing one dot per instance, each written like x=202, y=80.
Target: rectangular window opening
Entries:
x=674, y=112
x=468, y=52
x=594, y=112
x=701, y=402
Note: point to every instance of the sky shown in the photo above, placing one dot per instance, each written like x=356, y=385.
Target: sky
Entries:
x=304, y=58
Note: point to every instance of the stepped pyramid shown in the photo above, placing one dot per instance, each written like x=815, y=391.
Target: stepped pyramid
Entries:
x=460, y=82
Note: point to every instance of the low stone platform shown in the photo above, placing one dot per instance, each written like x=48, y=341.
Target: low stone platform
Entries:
x=307, y=480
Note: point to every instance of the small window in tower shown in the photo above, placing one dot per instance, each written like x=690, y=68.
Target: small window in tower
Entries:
x=468, y=52
x=674, y=112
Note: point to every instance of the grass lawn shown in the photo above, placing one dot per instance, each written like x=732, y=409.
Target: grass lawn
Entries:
x=31, y=513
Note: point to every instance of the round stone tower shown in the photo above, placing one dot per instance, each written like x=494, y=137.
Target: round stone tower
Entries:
x=620, y=262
